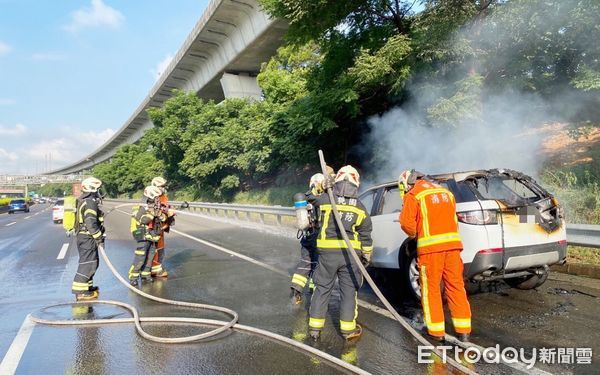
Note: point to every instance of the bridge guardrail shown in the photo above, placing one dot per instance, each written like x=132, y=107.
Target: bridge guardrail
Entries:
x=577, y=234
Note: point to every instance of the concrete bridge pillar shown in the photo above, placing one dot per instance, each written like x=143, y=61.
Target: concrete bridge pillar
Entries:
x=240, y=86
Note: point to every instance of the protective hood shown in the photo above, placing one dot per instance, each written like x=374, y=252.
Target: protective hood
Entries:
x=345, y=189
x=89, y=194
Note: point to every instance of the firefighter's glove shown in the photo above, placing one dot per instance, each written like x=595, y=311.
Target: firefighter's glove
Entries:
x=170, y=212
x=100, y=240
x=328, y=183
x=365, y=258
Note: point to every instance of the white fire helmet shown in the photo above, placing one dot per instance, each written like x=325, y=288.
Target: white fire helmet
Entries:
x=151, y=192
x=159, y=182
x=90, y=185
x=348, y=173
x=408, y=179
x=316, y=183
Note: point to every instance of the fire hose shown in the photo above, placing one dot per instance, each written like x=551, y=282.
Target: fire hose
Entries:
x=222, y=326
x=371, y=283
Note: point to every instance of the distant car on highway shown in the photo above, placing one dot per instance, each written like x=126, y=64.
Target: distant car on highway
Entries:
x=58, y=211
x=18, y=205
x=511, y=228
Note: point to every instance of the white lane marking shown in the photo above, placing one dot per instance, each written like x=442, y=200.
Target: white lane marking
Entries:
x=11, y=359
x=37, y=213
x=241, y=256
x=364, y=304
x=9, y=224
x=63, y=251
x=27, y=217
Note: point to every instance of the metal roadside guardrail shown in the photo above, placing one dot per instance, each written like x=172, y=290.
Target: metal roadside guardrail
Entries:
x=237, y=211
x=577, y=234
x=583, y=235
x=279, y=212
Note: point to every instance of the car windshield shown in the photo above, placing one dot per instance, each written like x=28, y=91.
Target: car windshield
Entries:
x=17, y=201
x=507, y=189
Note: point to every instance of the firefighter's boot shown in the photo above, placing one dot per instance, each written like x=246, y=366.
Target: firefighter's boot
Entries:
x=463, y=337
x=87, y=296
x=314, y=334
x=163, y=274
x=353, y=335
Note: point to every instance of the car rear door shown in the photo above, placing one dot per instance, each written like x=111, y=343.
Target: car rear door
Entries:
x=387, y=234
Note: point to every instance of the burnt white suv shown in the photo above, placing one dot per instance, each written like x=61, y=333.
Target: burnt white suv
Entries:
x=511, y=228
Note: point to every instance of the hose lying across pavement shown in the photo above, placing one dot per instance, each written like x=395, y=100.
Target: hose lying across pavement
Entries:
x=380, y=295
x=222, y=325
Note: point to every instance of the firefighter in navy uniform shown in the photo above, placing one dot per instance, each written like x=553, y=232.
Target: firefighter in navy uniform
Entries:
x=308, y=244
x=90, y=234
x=334, y=260
x=148, y=223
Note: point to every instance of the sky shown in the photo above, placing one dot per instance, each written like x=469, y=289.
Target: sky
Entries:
x=73, y=71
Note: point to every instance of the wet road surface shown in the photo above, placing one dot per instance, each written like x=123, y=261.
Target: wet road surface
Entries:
x=561, y=313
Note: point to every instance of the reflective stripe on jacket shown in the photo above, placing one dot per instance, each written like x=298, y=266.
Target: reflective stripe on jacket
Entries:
x=429, y=214
x=356, y=221
x=90, y=217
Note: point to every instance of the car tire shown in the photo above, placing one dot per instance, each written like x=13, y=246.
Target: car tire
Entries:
x=527, y=282
x=409, y=273
x=10, y=212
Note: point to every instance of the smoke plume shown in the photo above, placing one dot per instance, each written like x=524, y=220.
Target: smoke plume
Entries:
x=507, y=132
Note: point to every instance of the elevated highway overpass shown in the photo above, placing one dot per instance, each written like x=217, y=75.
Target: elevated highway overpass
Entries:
x=220, y=58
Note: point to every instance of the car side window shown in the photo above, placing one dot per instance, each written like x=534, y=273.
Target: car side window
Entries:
x=392, y=203
x=368, y=199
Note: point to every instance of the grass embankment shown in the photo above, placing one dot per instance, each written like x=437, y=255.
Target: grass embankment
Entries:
x=577, y=254
x=572, y=173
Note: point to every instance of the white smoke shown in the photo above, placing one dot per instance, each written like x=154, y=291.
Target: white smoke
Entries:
x=507, y=133
x=504, y=139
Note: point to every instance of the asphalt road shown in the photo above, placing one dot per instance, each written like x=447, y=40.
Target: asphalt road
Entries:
x=563, y=313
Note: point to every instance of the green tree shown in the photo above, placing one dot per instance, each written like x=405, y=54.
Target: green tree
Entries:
x=129, y=170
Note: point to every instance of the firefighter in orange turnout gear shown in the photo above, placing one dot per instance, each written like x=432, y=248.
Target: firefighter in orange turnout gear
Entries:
x=158, y=269
x=429, y=215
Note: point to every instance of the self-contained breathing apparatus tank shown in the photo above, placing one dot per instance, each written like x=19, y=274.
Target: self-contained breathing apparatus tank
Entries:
x=301, y=206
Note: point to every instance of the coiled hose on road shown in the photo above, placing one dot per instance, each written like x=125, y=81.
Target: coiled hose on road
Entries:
x=222, y=325
x=380, y=295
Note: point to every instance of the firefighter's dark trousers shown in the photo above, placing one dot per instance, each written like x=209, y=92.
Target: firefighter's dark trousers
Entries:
x=88, y=264
x=334, y=263
x=142, y=260
x=308, y=261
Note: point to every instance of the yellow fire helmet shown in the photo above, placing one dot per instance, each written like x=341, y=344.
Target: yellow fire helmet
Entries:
x=316, y=183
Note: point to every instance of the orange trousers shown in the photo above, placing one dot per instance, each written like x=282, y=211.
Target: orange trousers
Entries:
x=159, y=255
x=448, y=267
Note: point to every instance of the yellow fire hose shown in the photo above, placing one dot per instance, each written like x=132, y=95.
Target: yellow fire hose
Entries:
x=367, y=277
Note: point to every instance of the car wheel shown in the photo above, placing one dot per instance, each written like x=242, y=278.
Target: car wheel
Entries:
x=10, y=212
x=409, y=271
x=527, y=282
